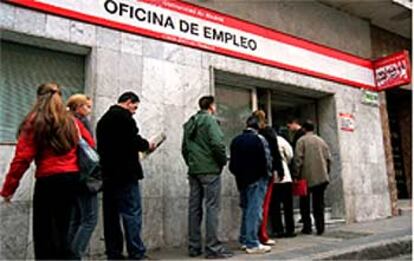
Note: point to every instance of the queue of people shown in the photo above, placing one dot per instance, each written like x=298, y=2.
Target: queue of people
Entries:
x=65, y=212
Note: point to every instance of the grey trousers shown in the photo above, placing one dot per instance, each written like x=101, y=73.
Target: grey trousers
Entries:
x=208, y=188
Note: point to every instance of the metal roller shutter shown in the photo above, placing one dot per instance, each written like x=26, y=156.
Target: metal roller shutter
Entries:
x=22, y=69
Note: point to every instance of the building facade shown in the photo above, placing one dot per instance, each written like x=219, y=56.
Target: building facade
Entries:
x=39, y=45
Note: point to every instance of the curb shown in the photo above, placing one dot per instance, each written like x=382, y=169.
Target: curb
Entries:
x=378, y=250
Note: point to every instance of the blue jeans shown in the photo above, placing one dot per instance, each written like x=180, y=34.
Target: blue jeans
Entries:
x=251, y=203
x=83, y=221
x=122, y=202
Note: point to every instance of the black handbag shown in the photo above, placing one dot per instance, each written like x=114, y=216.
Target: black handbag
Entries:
x=89, y=167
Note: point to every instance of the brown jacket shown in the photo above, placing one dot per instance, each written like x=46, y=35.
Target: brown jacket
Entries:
x=312, y=159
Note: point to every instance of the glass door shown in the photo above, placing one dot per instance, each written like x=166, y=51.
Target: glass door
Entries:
x=234, y=105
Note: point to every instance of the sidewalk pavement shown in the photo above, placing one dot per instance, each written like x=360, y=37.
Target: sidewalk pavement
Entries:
x=381, y=239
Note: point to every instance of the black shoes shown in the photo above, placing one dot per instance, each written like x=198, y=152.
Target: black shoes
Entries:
x=284, y=235
x=194, y=253
x=291, y=234
x=306, y=231
x=222, y=254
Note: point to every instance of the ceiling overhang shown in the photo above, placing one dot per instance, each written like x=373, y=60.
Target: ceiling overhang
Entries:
x=392, y=15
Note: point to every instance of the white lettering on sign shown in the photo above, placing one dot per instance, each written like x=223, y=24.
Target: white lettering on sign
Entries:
x=189, y=25
x=392, y=71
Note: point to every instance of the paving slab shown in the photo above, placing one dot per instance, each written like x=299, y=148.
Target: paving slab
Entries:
x=380, y=239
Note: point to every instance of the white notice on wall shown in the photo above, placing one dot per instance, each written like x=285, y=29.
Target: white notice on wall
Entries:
x=347, y=122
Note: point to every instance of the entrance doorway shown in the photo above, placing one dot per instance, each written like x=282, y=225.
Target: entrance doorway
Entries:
x=399, y=115
x=280, y=106
x=238, y=95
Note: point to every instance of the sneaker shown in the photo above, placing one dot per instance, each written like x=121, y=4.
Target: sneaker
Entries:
x=243, y=247
x=261, y=249
x=269, y=242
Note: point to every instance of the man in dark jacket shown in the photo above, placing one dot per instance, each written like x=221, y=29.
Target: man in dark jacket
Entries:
x=295, y=127
x=251, y=164
x=118, y=147
x=204, y=152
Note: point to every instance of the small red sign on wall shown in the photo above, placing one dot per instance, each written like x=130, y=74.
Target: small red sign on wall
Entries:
x=392, y=71
x=347, y=122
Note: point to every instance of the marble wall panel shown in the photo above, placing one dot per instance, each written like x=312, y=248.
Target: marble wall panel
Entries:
x=131, y=43
x=200, y=85
x=175, y=181
x=7, y=16
x=15, y=223
x=108, y=39
x=379, y=183
x=130, y=70
x=175, y=221
x=175, y=169
x=173, y=122
x=153, y=84
x=57, y=28
x=107, y=72
x=100, y=106
x=30, y=22
x=149, y=118
x=6, y=155
x=154, y=175
x=229, y=219
x=182, y=55
x=369, y=207
x=152, y=222
x=365, y=186
x=82, y=33
x=176, y=78
x=350, y=150
x=228, y=183
x=25, y=189
x=153, y=48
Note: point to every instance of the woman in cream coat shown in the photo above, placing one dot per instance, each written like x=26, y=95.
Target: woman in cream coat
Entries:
x=282, y=194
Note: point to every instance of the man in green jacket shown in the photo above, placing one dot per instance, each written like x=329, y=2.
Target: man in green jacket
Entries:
x=204, y=153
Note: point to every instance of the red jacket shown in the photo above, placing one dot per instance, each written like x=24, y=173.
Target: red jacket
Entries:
x=47, y=163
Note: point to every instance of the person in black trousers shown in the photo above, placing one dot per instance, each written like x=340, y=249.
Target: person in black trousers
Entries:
x=312, y=162
x=282, y=194
x=118, y=147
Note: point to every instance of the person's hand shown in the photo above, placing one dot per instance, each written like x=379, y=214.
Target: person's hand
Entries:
x=152, y=146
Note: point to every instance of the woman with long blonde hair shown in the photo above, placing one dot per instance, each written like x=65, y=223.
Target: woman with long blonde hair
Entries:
x=85, y=216
x=49, y=135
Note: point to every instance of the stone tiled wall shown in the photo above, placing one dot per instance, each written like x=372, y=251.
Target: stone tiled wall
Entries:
x=170, y=79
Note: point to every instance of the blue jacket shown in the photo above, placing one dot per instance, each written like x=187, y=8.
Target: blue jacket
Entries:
x=248, y=159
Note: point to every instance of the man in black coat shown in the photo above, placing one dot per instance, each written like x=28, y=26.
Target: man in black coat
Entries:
x=251, y=164
x=118, y=146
